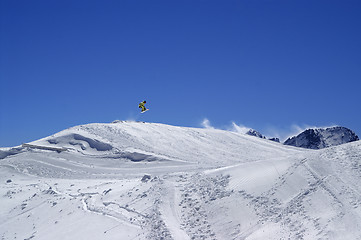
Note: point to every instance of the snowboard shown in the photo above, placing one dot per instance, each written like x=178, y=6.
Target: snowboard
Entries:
x=145, y=110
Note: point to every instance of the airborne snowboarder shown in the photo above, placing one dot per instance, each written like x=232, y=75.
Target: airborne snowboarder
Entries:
x=141, y=105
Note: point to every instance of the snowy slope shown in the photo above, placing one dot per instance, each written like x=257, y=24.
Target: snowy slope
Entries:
x=131, y=180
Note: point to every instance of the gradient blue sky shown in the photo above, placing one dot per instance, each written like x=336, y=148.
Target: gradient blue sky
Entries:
x=270, y=65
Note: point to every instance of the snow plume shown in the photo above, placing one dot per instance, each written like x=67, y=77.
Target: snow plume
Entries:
x=206, y=124
x=133, y=116
x=238, y=128
x=283, y=133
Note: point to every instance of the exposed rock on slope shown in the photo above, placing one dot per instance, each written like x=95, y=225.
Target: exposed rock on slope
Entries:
x=255, y=133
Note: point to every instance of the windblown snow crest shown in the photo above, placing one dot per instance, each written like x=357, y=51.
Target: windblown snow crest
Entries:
x=83, y=142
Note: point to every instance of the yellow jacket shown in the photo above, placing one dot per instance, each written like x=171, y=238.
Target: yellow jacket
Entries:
x=141, y=105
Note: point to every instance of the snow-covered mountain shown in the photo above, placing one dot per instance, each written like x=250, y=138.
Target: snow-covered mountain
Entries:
x=322, y=138
x=132, y=180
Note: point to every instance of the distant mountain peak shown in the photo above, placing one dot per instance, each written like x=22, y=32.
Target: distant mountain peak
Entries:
x=255, y=133
x=318, y=138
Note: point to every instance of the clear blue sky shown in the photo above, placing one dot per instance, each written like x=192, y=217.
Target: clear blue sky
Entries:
x=264, y=64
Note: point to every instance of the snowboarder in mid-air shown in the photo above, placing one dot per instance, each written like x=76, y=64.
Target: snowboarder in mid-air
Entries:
x=141, y=105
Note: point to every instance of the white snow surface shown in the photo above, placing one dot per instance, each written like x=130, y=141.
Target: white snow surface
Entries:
x=135, y=180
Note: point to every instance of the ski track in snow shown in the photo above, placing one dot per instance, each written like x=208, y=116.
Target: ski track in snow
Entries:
x=152, y=181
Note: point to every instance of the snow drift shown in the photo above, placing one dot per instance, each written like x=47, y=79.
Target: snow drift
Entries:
x=132, y=180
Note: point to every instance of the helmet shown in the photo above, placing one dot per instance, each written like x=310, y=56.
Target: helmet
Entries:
x=145, y=101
